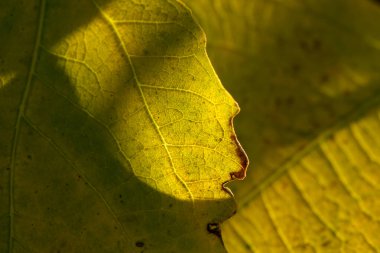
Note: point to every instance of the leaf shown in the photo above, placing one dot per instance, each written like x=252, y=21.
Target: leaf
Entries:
x=115, y=133
x=306, y=75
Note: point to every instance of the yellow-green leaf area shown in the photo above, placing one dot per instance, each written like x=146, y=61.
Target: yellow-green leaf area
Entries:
x=115, y=133
x=306, y=75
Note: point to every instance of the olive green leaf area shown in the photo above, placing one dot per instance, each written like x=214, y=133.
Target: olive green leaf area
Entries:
x=306, y=75
x=115, y=133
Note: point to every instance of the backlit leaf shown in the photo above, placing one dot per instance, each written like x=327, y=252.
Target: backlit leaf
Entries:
x=115, y=133
x=306, y=75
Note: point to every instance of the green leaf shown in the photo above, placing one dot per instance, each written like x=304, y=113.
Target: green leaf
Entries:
x=115, y=133
x=306, y=75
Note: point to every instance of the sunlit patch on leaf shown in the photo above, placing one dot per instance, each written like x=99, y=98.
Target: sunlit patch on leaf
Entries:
x=115, y=130
x=307, y=77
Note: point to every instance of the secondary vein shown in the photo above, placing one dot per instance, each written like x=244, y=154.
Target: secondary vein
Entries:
x=20, y=115
x=138, y=84
x=355, y=114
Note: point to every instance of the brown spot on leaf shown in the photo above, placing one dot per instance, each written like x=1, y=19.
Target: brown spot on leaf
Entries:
x=237, y=174
x=296, y=68
x=303, y=45
x=242, y=157
x=325, y=78
x=139, y=244
x=290, y=101
x=317, y=44
x=243, y=161
x=278, y=102
x=310, y=45
x=325, y=244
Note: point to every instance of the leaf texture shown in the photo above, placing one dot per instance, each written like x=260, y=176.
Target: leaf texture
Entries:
x=306, y=75
x=116, y=134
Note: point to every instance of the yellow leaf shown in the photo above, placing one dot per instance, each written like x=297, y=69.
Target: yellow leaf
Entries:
x=115, y=133
x=306, y=75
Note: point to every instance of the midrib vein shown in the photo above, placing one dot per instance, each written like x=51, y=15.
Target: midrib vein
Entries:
x=20, y=115
x=355, y=114
x=115, y=30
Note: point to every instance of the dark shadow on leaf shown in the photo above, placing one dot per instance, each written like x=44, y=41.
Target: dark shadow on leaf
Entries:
x=292, y=79
x=74, y=188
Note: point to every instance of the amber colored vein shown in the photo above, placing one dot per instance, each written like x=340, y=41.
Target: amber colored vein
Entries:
x=20, y=114
x=115, y=30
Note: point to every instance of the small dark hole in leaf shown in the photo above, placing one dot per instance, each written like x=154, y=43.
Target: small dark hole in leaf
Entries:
x=29, y=157
x=139, y=244
x=214, y=228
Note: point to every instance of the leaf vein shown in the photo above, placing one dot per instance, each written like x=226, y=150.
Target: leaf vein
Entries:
x=318, y=139
x=176, y=89
x=74, y=167
x=115, y=30
x=20, y=115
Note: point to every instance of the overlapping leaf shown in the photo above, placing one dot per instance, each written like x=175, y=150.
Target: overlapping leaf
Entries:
x=115, y=133
x=306, y=74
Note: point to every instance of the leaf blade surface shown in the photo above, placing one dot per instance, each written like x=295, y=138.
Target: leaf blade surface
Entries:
x=113, y=124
